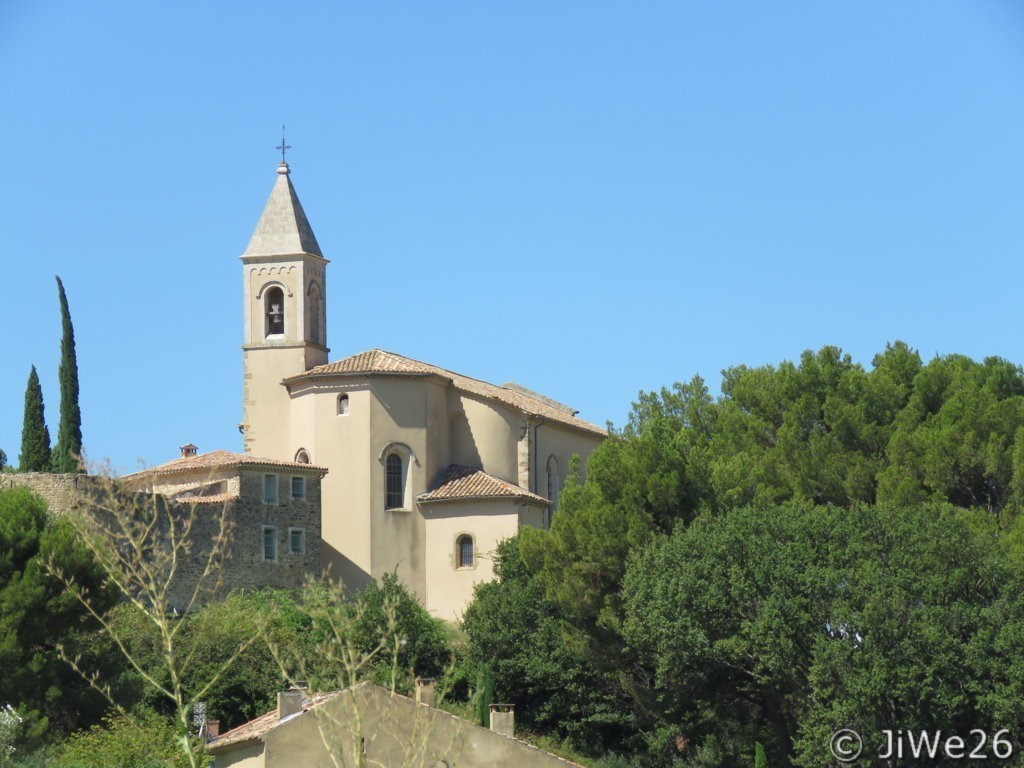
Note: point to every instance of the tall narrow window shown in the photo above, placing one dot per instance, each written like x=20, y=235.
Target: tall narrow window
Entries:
x=394, y=482
x=465, y=551
x=297, y=541
x=273, y=306
x=298, y=487
x=270, y=489
x=270, y=543
x=343, y=405
x=314, y=314
x=554, y=483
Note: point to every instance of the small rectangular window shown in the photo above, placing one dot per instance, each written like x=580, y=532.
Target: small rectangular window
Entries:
x=270, y=489
x=297, y=541
x=270, y=543
x=298, y=487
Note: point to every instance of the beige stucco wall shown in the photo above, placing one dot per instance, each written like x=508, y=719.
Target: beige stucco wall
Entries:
x=244, y=756
x=399, y=418
x=554, y=440
x=449, y=588
x=268, y=360
x=486, y=437
x=393, y=731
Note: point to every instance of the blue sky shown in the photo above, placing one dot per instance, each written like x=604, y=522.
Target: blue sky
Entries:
x=588, y=198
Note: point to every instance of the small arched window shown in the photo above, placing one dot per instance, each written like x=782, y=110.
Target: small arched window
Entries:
x=464, y=551
x=273, y=307
x=394, y=482
x=302, y=456
x=554, y=482
x=343, y=405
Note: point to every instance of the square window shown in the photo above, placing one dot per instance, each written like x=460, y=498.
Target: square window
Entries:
x=297, y=541
x=270, y=543
x=298, y=487
x=270, y=489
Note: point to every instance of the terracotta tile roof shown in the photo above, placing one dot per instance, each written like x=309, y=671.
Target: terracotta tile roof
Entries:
x=378, y=361
x=213, y=498
x=222, y=460
x=459, y=483
x=256, y=729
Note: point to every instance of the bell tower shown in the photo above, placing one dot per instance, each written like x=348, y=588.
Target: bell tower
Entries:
x=285, y=290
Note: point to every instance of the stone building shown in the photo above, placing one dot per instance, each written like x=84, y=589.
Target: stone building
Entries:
x=428, y=469
x=272, y=509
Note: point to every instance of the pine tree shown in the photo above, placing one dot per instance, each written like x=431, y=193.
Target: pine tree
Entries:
x=35, y=437
x=69, y=431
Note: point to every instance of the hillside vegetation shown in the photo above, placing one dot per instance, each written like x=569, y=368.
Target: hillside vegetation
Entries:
x=822, y=546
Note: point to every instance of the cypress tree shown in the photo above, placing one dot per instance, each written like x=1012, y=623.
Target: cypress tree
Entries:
x=69, y=431
x=35, y=437
x=760, y=756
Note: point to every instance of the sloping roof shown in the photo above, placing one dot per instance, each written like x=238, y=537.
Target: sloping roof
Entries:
x=216, y=498
x=379, y=361
x=460, y=483
x=223, y=460
x=256, y=729
x=283, y=229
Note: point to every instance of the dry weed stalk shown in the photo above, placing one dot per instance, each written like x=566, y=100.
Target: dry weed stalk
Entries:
x=349, y=719
x=148, y=548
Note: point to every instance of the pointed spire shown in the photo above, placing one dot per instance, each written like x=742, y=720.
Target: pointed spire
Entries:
x=283, y=229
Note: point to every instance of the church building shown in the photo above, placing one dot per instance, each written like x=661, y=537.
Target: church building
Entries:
x=427, y=469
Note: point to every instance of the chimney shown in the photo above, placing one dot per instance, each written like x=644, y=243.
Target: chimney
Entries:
x=188, y=450
x=289, y=702
x=212, y=730
x=425, y=690
x=503, y=719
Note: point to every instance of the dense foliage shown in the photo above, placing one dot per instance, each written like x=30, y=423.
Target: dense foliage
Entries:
x=36, y=614
x=127, y=741
x=730, y=581
x=820, y=545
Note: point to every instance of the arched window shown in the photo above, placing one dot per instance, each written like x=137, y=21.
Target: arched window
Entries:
x=554, y=482
x=273, y=307
x=302, y=456
x=394, y=482
x=464, y=551
x=314, y=314
x=343, y=405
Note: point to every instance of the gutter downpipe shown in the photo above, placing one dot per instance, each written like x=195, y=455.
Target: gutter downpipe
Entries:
x=536, y=476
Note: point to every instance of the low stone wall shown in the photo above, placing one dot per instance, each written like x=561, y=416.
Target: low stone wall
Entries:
x=59, y=491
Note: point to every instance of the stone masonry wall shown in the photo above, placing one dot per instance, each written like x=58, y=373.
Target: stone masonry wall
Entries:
x=244, y=567
x=59, y=491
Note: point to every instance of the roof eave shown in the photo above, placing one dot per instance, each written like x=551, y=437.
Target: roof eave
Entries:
x=533, y=501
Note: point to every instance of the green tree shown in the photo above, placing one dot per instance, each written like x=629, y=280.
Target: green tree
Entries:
x=36, y=614
x=124, y=741
x=960, y=437
x=68, y=451
x=516, y=637
x=775, y=624
x=3, y=460
x=35, y=437
x=760, y=756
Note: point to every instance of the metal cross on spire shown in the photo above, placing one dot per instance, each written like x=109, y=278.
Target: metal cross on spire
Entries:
x=284, y=147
